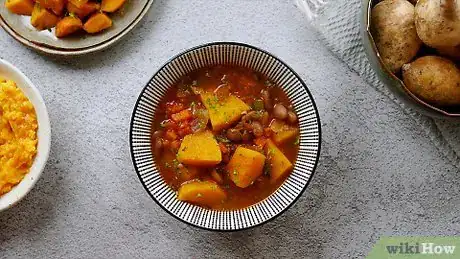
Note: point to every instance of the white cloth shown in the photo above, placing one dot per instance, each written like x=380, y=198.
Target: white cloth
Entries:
x=338, y=23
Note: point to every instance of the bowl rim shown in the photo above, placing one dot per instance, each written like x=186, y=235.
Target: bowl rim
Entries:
x=234, y=43
x=50, y=50
x=19, y=191
x=387, y=71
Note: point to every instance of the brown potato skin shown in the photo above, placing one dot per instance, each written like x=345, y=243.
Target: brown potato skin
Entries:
x=438, y=22
x=435, y=80
x=393, y=29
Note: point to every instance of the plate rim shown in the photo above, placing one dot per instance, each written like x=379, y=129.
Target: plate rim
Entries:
x=47, y=49
x=318, y=153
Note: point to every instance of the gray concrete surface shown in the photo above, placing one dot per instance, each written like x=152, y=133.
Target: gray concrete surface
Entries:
x=378, y=174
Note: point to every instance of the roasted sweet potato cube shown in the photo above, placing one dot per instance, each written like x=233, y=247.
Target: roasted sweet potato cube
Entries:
x=282, y=132
x=205, y=193
x=199, y=149
x=78, y=3
x=223, y=112
x=57, y=6
x=84, y=10
x=245, y=166
x=21, y=7
x=278, y=163
x=97, y=23
x=111, y=6
x=43, y=19
x=68, y=25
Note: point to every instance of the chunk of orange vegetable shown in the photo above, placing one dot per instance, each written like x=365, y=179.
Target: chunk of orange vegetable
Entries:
x=78, y=3
x=199, y=149
x=83, y=10
x=21, y=7
x=57, y=6
x=279, y=164
x=97, y=23
x=170, y=135
x=282, y=132
x=111, y=6
x=245, y=166
x=67, y=26
x=182, y=115
x=205, y=193
x=43, y=19
x=223, y=113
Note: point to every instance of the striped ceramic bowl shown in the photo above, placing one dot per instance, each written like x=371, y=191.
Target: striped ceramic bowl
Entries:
x=241, y=55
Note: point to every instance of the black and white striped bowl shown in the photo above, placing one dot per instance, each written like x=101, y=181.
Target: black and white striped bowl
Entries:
x=241, y=55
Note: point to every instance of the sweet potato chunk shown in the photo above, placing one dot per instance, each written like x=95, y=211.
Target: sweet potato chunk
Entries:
x=83, y=10
x=245, y=166
x=97, y=23
x=282, y=132
x=57, y=6
x=199, y=149
x=206, y=193
x=43, y=19
x=278, y=163
x=111, y=6
x=68, y=25
x=78, y=3
x=21, y=7
x=223, y=113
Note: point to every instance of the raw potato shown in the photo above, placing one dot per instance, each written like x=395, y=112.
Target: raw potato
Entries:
x=84, y=10
x=67, y=26
x=394, y=32
x=206, y=193
x=450, y=52
x=97, y=23
x=43, y=19
x=433, y=79
x=21, y=7
x=438, y=22
x=111, y=6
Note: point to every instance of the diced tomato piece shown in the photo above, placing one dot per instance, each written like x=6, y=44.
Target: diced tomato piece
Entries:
x=182, y=115
x=169, y=124
x=174, y=107
x=268, y=132
x=175, y=145
x=171, y=135
x=260, y=142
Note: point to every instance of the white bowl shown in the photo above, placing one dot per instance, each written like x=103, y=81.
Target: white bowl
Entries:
x=10, y=72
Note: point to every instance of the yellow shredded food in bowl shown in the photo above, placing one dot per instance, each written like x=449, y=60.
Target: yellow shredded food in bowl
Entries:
x=18, y=135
